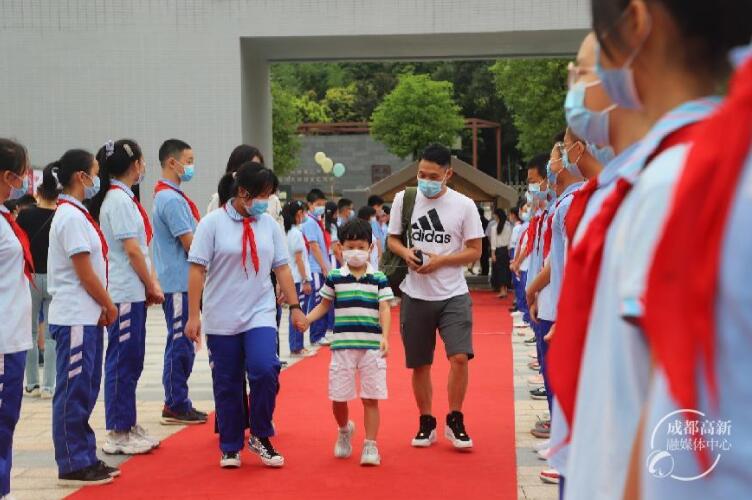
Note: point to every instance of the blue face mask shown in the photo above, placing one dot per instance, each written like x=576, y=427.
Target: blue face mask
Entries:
x=570, y=167
x=525, y=216
x=603, y=155
x=257, y=207
x=430, y=189
x=619, y=83
x=535, y=189
x=91, y=191
x=590, y=126
x=16, y=193
x=528, y=197
x=188, y=173
x=319, y=211
x=550, y=176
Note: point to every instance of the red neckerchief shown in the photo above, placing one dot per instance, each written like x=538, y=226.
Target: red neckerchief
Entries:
x=147, y=224
x=577, y=208
x=105, y=248
x=307, y=244
x=548, y=235
x=327, y=236
x=532, y=229
x=23, y=238
x=249, y=240
x=161, y=186
x=580, y=279
x=681, y=326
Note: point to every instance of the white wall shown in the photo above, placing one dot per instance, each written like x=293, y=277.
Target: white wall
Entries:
x=75, y=73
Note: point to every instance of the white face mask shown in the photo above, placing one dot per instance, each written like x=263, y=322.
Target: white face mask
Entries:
x=356, y=258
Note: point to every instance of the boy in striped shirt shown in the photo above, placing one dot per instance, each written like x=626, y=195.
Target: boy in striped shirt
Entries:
x=361, y=297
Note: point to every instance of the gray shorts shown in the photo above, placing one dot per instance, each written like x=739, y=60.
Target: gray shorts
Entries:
x=419, y=320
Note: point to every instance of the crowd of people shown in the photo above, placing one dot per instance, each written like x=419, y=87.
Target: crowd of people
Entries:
x=626, y=259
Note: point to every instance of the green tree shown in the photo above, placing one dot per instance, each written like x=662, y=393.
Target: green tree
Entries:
x=310, y=110
x=341, y=103
x=417, y=112
x=534, y=91
x=285, y=122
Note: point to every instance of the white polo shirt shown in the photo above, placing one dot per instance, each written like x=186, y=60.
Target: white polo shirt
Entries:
x=235, y=302
x=71, y=234
x=15, y=295
x=120, y=219
x=296, y=244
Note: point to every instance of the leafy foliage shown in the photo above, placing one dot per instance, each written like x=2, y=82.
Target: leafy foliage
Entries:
x=285, y=121
x=534, y=92
x=417, y=112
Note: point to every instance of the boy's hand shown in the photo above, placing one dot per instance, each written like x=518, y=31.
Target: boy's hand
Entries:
x=193, y=329
x=384, y=348
x=299, y=320
x=307, y=288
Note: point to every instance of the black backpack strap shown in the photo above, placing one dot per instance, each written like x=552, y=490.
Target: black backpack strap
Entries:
x=408, y=205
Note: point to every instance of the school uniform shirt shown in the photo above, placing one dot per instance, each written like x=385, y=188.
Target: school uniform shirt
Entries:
x=558, y=253
x=171, y=218
x=616, y=363
x=295, y=244
x=514, y=238
x=373, y=257
x=378, y=232
x=236, y=301
x=334, y=238
x=314, y=234
x=119, y=220
x=439, y=226
x=71, y=234
x=525, y=264
x=15, y=294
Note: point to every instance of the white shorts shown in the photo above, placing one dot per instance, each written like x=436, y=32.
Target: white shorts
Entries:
x=368, y=364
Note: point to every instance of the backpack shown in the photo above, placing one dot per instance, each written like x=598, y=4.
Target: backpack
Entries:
x=393, y=266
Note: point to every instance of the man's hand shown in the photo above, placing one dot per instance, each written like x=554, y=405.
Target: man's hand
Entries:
x=435, y=262
x=154, y=294
x=307, y=290
x=384, y=347
x=412, y=260
x=193, y=329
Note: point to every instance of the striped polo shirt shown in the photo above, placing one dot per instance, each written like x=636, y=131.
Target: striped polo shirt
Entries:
x=356, y=307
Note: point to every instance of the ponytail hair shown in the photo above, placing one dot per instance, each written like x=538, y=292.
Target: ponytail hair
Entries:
x=290, y=211
x=50, y=188
x=240, y=155
x=251, y=176
x=115, y=158
x=329, y=210
x=74, y=160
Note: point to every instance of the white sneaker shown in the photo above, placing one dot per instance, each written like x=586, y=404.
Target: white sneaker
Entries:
x=516, y=314
x=141, y=433
x=343, y=447
x=543, y=454
x=542, y=445
x=324, y=341
x=125, y=443
x=230, y=460
x=370, y=455
x=46, y=394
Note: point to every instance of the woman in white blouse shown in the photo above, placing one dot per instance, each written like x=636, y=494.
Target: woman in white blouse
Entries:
x=499, y=234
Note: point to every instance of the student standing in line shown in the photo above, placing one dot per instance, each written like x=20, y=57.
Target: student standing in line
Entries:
x=241, y=154
x=36, y=222
x=344, y=211
x=175, y=217
x=80, y=308
x=514, y=239
x=231, y=274
x=16, y=268
x=368, y=214
x=319, y=243
x=294, y=213
x=133, y=287
x=360, y=296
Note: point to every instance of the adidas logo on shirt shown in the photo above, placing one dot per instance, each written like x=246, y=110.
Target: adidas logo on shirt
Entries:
x=429, y=229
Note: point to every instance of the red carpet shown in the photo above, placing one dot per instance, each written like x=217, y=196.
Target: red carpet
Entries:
x=187, y=464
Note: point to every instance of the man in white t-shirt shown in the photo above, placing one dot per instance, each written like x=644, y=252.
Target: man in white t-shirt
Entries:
x=446, y=235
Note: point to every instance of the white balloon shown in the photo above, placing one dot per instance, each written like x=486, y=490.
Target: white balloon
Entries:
x=327, y=164
x=319, y=157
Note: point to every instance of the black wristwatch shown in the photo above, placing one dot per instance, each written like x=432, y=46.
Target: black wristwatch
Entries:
x=294, y=306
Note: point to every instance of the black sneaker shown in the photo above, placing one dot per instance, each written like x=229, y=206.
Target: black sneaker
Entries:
x=230, y=460
x=531, y=340
x=190, y=417
x=455, y=431
x=200, y=413
x=264, y=449
x=539, y=393
x=92, y=475
x=426, y=433
x=112, y=471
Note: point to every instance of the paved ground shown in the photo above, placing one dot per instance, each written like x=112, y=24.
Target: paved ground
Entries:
x=35, y=475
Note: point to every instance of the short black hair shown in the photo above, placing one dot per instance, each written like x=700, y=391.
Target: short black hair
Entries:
x=438, y=154
x=355, y=230
x=315, y=195
x=251, y=176
x=387, y=209
x=559, y=137
x=242, y=154
x=365, y=213
x=539, y=162
x=344, y=203
x=374, y=200
x=172, y=148
x=26, y=201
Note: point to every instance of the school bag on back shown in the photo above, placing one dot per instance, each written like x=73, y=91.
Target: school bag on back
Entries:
x=393, y=266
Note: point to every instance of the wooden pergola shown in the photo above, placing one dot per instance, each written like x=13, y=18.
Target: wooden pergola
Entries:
x=473, y=124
